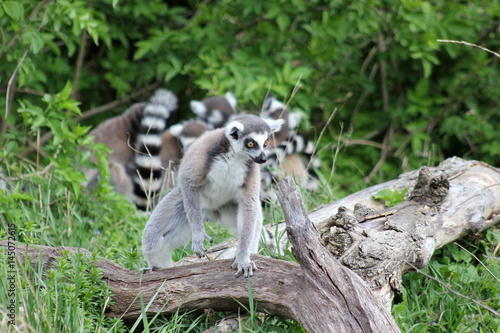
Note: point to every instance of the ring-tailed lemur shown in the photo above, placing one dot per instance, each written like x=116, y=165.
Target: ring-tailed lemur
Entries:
x=188, y=131
x=130, y=136
x=148, y=179
x=211, y=113
x=292, y=154
x=215, y=111
x=218, y=180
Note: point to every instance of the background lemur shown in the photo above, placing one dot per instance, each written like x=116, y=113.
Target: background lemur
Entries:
x=215, y=111
x=218, y=180
x=212, y=112
x=292, y=154
x=148, y=179
x=188, y=131
x=140, y=149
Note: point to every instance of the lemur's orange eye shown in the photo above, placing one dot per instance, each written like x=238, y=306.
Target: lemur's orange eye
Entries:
x=266, y=143
x=249, y=144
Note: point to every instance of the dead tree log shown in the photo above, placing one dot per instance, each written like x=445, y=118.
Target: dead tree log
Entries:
x=443, y=204
x=338, y=299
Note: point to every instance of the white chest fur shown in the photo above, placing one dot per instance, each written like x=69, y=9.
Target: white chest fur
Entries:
x=224, y=181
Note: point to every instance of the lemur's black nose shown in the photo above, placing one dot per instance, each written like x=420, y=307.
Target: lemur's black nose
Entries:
x=260, y=159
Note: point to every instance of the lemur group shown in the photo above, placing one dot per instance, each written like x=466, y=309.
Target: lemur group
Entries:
x=219, y=166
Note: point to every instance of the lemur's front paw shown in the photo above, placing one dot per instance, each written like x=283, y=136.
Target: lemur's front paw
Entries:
x=244, y=266
x=197, y=244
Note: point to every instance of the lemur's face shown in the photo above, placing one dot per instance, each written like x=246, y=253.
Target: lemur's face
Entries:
x=254, y=145
x=250, y=135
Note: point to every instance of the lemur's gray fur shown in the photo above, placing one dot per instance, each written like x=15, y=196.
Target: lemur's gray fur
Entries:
x=218, y=180
x=215, y=111
x=188, y=131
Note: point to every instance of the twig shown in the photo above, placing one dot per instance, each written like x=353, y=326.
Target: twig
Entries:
x=376, y=216
x=92, y=112
x=118, y=102
x=349, y=142
x=368, y=58
x=389, y=134
x=11, y=81
x=336, y=154
x=384, y=153
x=363, y=96
x=295, y=89
x=455, y=292
x=79, y=63
x=320, y=137
x=469, y=44
x=486, y=268
x=25, y=91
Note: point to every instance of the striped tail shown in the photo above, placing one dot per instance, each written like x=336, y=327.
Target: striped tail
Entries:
x=295, y=144
x=148, y=179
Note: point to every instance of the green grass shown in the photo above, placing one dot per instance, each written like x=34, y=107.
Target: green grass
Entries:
x=425, y=305
x=72, y=298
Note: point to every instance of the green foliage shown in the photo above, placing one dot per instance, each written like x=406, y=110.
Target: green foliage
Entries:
x=46, y=199
x=391, y=197
x=377, y=63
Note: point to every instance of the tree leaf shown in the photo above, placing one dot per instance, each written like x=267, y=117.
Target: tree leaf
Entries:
x=14, y=9
x=283, y=21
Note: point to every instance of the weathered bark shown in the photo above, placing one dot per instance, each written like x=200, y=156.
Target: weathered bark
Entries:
x=474, y=189
x=191, y=287
x=449, y=201
x=278, y=287
x=444, y=204
x=338, y=299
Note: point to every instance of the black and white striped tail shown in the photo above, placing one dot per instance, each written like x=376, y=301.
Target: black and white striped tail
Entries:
x=149, y=171
x=296, y=144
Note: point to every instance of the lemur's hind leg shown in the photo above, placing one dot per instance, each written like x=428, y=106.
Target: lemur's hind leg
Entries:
x=167, y=229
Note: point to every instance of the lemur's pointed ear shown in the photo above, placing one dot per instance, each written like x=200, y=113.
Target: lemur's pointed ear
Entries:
x=176, y=130
x=294, y=119
x=267, y=102
x=275, y=124
x=198, y=108
x=231, y=99
x=234, y=129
